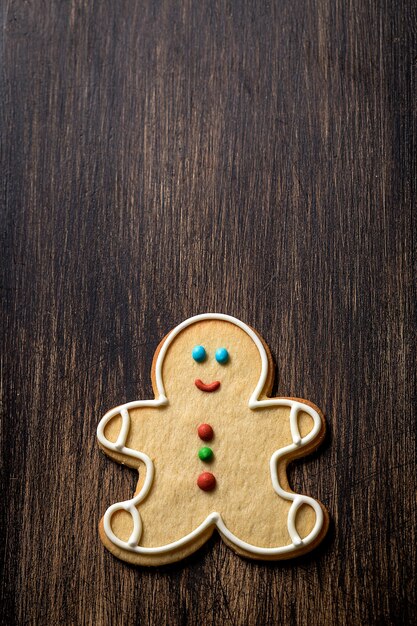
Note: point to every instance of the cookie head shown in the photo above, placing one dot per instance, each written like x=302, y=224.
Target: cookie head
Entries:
x=209, y=359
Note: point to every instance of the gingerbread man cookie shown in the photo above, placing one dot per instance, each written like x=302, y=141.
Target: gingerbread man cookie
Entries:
x=212, y=450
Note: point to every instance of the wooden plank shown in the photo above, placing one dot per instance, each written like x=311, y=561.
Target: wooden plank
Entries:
x=162, y=159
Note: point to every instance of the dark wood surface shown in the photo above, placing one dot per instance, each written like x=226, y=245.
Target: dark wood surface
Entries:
x=162, y=159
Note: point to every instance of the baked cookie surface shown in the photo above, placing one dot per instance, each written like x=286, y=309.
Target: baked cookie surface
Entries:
x=212, y=450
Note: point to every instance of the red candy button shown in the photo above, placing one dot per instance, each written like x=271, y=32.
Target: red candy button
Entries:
x=205, y=432
x=206, y=481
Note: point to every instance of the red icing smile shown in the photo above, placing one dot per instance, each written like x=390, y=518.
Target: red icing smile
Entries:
x=210, y=387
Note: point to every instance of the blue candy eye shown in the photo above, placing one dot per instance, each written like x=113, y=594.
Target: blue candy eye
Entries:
x=222, y=355
x=198, y=353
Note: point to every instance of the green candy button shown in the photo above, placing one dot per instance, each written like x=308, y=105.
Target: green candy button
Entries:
x=205, y=454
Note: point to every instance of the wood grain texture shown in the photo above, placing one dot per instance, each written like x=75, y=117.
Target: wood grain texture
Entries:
x=162, y=159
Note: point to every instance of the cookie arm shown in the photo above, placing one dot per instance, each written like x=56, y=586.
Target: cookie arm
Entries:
x=118, y=450
x=296, y=405
x=301, y=406
x=117, y=445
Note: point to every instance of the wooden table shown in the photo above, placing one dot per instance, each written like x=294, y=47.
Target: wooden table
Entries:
x=166, y=158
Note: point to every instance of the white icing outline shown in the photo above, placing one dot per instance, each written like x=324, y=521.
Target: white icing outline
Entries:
x=214, y=519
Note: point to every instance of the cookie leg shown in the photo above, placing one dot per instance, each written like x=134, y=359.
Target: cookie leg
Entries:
x=146, y=537
x=277, y=529
x=305, y=520
x=122, y=525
